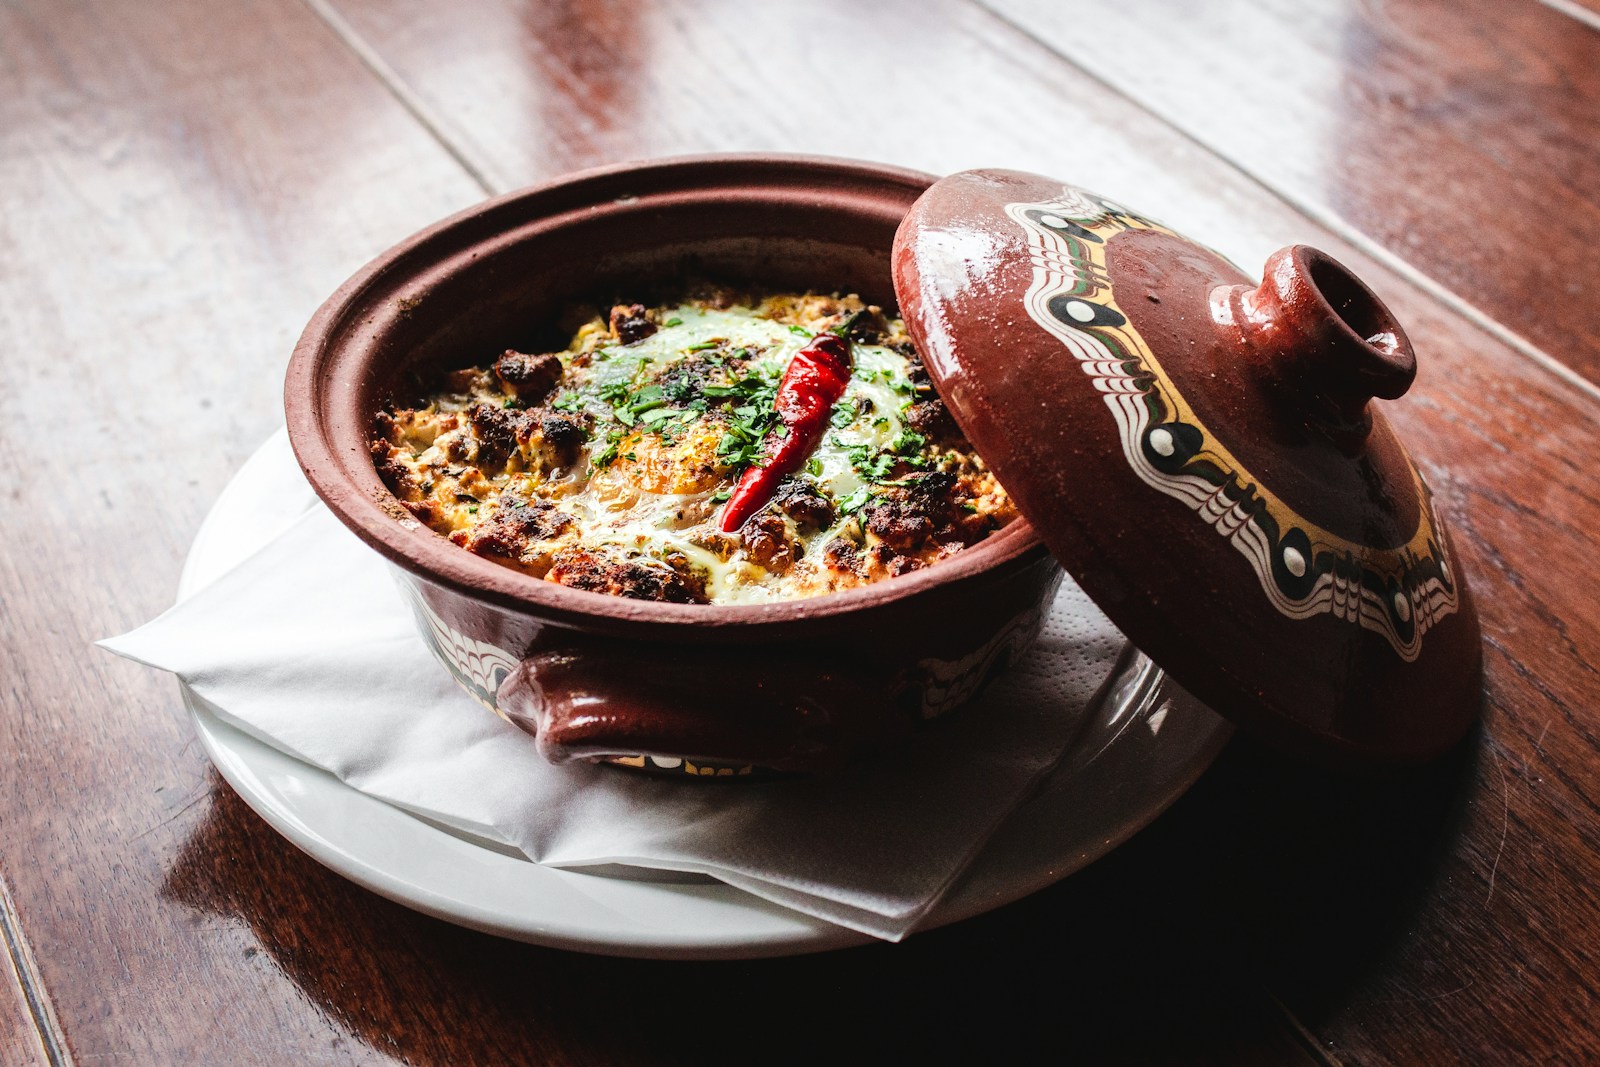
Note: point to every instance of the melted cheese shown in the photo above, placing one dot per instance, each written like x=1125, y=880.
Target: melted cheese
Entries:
x=647, y=485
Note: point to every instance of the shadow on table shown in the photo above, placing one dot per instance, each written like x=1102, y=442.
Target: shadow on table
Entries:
x=1267, y=876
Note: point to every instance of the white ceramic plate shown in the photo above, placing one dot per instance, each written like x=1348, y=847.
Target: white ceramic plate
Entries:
x=1146, y=743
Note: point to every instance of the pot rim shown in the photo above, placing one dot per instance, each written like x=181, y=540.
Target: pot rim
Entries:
x=333, y=452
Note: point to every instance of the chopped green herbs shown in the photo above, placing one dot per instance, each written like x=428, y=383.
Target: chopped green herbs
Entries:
x=636, y=404
x=670, y=424
x=741, y=445
x=615, y=378
x=855, y=501
x=872, y=464
x=908, y=443
x=606, y=455
x=741, y=395
x=568, y=401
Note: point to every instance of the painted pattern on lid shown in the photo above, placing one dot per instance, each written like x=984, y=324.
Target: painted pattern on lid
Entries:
x=1202, y=453
x=1304, y=569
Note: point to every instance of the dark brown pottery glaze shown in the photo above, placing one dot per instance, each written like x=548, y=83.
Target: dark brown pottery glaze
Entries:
x=704, y=690
x=1201, y=453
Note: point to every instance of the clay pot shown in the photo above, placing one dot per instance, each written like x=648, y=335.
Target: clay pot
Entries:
x=1202, y=452
x=719, y=690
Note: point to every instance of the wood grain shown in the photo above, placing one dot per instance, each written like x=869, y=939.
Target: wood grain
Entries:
x=179, y=194
x=428, y=993
x=19, y=1041
x=189, y=201
x=22, y=1040
x=1463, y=137
x=1394, y=947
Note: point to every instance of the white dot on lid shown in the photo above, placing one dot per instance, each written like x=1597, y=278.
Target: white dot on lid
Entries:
x=1080, y=311
x=1294, y=561
x=1444, y=570
x=1052, y=220
x=1161, y=441
x=667, y=762
x=1402, y=606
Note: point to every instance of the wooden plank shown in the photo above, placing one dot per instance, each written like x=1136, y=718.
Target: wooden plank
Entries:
x=24, y=1017
x=1428, y=919
x=179, y=191
x=20, y=1045
x=1015, y=986
x=1462, y=138
x=214, y=155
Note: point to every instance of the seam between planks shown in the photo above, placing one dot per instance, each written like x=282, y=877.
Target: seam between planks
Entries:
x=452, y=142
x=45, y=1024
x=1340, y=228
x=1307, y=1040
x=430, y=121
x=1575, y=10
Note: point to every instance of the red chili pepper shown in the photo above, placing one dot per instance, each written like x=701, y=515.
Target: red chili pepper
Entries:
x=813, y=382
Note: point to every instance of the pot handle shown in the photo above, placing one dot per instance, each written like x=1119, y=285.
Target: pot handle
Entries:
x=733, y=707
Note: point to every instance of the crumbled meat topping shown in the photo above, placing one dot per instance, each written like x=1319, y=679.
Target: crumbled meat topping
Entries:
x=604, y=467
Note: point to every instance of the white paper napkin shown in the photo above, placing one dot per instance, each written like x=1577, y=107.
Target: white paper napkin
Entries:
x=308, y=646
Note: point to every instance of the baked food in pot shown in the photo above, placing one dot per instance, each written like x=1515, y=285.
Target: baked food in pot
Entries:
x=787, y=684
x=609, y=465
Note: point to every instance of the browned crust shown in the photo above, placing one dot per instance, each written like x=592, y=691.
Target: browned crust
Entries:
x=514, y=525
x=638, y=579
x=528, y=378
x=506, y=432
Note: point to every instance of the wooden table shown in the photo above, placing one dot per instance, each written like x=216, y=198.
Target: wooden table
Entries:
x=183, y=183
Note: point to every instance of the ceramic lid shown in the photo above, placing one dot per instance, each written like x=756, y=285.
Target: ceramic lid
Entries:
x=1202, y=455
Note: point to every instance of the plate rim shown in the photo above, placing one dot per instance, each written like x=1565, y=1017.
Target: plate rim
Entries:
x=772, y=930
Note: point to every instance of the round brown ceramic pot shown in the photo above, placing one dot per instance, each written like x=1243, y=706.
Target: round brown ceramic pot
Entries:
x=717, y=690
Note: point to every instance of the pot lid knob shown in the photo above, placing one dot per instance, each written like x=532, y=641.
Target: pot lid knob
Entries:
x=1322, y=338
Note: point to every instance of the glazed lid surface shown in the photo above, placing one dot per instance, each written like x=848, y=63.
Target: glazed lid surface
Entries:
x=1202, y=454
